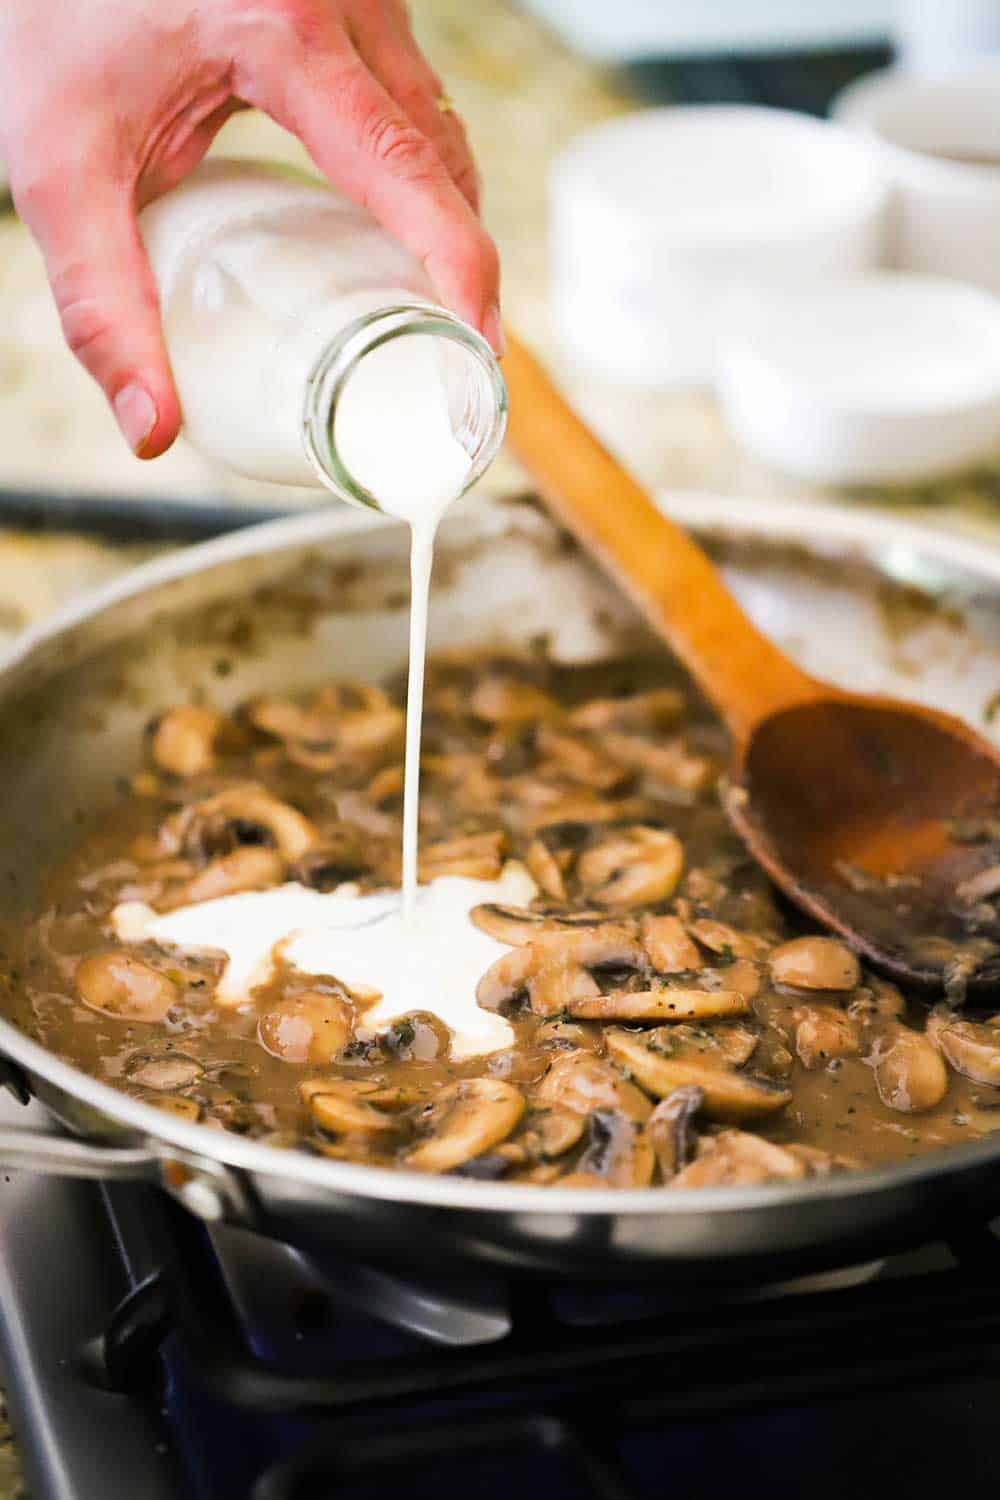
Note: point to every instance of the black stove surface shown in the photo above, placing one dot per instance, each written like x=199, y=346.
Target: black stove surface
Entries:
x=146, y=1356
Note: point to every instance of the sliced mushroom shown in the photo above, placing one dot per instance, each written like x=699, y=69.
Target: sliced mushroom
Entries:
x=350, y=717
x=582, y=1082
x=815, y=963
x=243, y=814
x=125, y=987
x=661, y=1004
x=544, y=869
x=501, y=699
x=345, y=854
x=877, y=999
x=670, y=949
x=909, y=1073
x=552, y=969
x=477, y=856
x=822, y=1033
x=308, y=1028
x=734, y=1158
x=971, y=1047
x=184, y=740
x=729, y=1095
x=559, y=1033
x=579, y=760
x=668, y=763
x=340, y=1106
x=466, y=1119
x=551, y=1131
x=726, y=941
x=518, y=925
x=671, y=1131
x=251, y=868
x=617, y=1152
x=633, y=866
x=656, y=709
x=172, y=1070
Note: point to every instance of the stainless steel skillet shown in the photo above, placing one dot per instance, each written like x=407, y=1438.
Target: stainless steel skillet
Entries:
x=291, y=603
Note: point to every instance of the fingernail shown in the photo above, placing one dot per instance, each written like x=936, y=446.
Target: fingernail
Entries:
x=136, y=415
x=493, y=329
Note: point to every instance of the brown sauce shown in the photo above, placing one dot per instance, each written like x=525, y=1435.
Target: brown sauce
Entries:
x=665, y=1031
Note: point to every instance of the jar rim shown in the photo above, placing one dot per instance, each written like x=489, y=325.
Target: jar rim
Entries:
x=339, y=359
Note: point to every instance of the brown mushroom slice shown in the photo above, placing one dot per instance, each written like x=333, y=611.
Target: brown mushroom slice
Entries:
x=971, y=1047
x=251, y=868
x=551, y=1131
x=670, y=1129
x=877, y=999
x=581, y=1082
x=559, y=1033
x=633, y=866
x=477, y=856
x=551, y=969
x=735, y=1158
x=579, y=760
x=656, y=709
x=184, y=740
x=518, y=925
x=662, y=1004
x=340, y=1106
x=822, y=1033
x=239, y=815
x=618, y=1151
x=670, y=949
x=544, y=869
x=501, y=699
x=668, y=763
x=307, y=1028
x=729, y=1095
x=910, y=1074
x=164, y=1072
x=815, y=963
x=466, y=1119
x=124, y=987
x=726, y=941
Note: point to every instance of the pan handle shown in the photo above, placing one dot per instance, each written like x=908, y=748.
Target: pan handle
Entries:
x=208, y=1189
x=63, y=1156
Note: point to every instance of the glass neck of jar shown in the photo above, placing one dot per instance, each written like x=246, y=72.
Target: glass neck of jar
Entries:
x=472, y=384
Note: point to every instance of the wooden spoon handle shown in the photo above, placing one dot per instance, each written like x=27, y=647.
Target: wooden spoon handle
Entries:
x=667, y=574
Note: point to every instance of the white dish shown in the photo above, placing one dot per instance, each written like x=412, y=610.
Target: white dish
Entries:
x=654, y=215
x=871, y=379
x=948, y=209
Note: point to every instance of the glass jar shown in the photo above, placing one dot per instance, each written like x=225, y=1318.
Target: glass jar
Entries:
x=306, y=344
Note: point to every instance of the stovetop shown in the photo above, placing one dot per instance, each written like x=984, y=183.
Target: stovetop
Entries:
x=147, y=1356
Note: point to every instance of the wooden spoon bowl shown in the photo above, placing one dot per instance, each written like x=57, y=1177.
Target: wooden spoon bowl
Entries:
x=879, y=818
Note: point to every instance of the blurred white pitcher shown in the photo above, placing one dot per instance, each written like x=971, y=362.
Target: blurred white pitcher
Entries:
x=934, y=36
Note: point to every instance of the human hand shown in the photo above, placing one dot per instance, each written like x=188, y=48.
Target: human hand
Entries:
x=107, y=104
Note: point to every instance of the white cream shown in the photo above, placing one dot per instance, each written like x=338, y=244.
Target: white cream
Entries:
x=432, y=963
x=416, y=471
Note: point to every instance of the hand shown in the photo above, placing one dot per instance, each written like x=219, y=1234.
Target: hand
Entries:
x=106, y=104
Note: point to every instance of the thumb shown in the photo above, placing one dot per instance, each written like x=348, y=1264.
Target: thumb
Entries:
x=108, y=304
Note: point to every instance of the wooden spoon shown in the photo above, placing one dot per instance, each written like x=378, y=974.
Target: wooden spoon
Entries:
x=880, y=818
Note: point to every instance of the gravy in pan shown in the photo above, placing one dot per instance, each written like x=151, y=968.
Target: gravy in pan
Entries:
x=614, y=995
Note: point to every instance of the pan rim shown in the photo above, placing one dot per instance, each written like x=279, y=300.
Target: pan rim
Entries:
x=781, y=522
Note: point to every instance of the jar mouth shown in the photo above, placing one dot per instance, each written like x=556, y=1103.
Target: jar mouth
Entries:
x=480, y=427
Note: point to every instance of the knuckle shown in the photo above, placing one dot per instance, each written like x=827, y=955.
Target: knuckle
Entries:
x=87, y=326
x=401, y=147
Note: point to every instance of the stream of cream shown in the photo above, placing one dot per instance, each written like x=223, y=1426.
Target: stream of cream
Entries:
x=417, y=951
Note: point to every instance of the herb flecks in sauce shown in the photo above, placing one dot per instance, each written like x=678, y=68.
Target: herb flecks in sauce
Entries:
x=669, y=1024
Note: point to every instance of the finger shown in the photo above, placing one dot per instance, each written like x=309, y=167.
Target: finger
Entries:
x=107, y=300
x=386, y=43
x=365, y=144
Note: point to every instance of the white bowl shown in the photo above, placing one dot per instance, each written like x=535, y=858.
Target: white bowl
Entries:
x=654, y=215
x=872, y=379
x=947, y=218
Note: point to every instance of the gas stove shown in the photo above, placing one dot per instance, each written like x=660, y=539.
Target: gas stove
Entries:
x=147, y=1355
